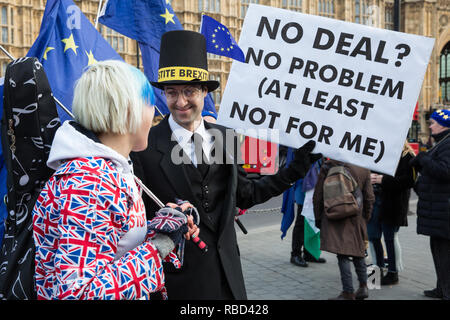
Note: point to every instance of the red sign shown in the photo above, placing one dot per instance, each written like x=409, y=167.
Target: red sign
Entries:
x=415, y=146
x=259, y=156
x=416, y=112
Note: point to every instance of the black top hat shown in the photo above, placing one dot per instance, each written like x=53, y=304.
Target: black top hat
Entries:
x=182, y=60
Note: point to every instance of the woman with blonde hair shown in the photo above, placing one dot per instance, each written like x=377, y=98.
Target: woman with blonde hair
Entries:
x=90, y=229
x=390, y=213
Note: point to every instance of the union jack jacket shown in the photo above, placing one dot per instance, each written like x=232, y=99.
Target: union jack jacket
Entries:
x=78, y=220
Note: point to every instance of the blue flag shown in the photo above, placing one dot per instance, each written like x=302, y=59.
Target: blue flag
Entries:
x=146, y=21
x=219, y=39
x=66, y=45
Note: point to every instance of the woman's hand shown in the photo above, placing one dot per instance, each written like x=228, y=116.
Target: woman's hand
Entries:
x=376, y=178
x=184, y=206
x=193, y=229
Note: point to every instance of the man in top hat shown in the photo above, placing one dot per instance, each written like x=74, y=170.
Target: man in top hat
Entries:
x=433, y=207
x=173, y=166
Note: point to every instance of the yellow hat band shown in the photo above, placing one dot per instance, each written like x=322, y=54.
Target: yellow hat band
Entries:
x=182, y=74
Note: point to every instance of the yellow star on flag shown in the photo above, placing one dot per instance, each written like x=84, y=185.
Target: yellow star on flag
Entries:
x=91, y=58
x=47, y=50
x=445, y=117
x=168, y=16
x=70, y=44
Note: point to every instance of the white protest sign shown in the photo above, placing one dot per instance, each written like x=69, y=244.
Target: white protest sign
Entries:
x=350, y=87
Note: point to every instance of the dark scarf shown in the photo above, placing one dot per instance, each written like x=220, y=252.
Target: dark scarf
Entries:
x=439, y=136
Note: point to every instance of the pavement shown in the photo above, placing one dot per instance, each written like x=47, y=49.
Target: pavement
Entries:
x=269, y=275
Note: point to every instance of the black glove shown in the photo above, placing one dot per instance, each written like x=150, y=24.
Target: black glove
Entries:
x=303, y=159
x=416, y=162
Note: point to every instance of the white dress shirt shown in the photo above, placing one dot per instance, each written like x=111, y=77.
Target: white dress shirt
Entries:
x=184, y=139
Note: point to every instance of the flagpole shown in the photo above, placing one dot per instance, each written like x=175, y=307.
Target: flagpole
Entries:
x=201, y=22
x=56, y=100
x=63, y=107
x=98, y=13
x=7, y=53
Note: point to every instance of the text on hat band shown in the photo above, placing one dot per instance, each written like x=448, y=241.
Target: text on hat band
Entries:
x=182, y=73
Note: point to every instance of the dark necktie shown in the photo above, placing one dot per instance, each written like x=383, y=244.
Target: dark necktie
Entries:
x=202, y=166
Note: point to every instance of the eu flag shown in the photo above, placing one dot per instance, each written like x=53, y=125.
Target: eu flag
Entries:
x=146, y=21
x=219, y=39
x=66, y=45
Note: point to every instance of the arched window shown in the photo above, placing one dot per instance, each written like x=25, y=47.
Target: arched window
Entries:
x=4, y=23
x=293, y=5
x=362, y=12
x=326, y=8
x=444, y=75
x=244, y=6
x=115, y=39
x=389, y=17
x=209, y=6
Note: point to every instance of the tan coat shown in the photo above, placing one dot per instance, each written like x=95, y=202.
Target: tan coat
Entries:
x=346, y=236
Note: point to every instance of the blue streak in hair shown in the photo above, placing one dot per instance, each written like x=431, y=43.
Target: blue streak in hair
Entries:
x=147, y=93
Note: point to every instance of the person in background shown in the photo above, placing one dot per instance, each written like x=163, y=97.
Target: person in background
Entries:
x=346, y=237
x=209, y=116
x=89, y=222
x=300, y=256
x=390, y=212
x=433, y=207
x=298, y=230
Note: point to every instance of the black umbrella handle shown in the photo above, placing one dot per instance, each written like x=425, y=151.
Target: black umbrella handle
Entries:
x=241, y=226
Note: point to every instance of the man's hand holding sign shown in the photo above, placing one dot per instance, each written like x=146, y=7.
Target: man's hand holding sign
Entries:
x=349, y=87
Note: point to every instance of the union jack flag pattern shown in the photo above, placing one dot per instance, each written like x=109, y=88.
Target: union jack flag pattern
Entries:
x=167, y=220
x=78, y=220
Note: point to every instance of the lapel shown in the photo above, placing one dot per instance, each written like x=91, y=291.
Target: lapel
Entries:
x=221, y=143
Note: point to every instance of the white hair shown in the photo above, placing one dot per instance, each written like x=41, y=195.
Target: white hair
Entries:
x=109, y=98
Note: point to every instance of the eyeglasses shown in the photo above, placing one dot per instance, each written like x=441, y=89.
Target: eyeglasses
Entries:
x=189, y=93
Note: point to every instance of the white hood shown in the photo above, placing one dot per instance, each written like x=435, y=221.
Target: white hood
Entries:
x=70, y=144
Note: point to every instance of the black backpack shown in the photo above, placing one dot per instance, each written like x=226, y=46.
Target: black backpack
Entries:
x=30, y=120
